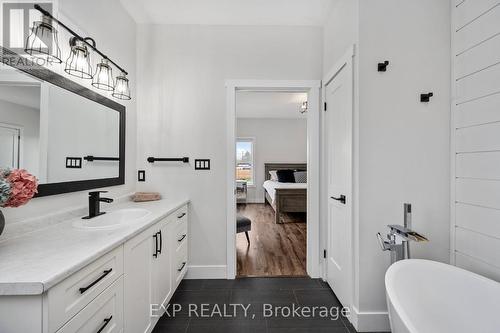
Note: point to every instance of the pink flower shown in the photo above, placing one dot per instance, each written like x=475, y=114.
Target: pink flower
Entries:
x=23, y=187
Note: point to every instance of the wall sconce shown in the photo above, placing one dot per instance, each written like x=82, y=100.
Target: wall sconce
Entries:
x=78, y=63
x=43, y=41
x=303, y=107
x=122, y=90
x=103, y=77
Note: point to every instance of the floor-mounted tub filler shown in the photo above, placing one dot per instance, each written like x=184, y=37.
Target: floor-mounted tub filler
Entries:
x=425, y=296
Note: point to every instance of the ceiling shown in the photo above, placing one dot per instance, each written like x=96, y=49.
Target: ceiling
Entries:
x=230, y=12
x=25, y=95
x=269, y=104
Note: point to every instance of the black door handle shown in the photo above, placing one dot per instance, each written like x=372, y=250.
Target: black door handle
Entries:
x=106, y=322
x=181, y=216
x=106, y=272
x=182, y=238
x=342, y=199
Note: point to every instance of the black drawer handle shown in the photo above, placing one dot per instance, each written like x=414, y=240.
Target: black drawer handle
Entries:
x=182, y=267
x=155, y=236
x=182, y=238
x=106, y=272
x=161, y=241
x=181, y=216
x=106, y=322
x=342, y=199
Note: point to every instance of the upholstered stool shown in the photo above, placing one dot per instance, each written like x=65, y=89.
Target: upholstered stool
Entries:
x=243, y=224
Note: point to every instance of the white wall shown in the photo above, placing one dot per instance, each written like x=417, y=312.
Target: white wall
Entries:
x=115, y=32
x=29, y=119
x=182, y=99
x=403, y=147
x=475, y=231
x=276, y=140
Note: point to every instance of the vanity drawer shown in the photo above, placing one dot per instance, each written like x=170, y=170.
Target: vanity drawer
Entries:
x=180, y=215
x=71, y=295
x=103, y=314
x=180, y=235
x=180, y=263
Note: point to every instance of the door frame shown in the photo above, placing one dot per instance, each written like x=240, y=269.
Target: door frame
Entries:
x=346, y=59
x=313, y=89
x=20, y=148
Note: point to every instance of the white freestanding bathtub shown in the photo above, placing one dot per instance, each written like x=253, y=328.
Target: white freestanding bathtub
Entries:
x=430, y=297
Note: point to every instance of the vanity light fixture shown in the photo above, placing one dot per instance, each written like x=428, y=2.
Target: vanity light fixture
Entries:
x=78, y=63
x=103, y=77
x=122, y=90
x=43, y=42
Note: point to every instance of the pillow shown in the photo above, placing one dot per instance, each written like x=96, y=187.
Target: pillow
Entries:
x=285, y=176
x=300, y=176
x=274, y=175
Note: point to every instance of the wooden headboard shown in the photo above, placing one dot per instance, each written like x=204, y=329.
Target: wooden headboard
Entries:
x=282, y=166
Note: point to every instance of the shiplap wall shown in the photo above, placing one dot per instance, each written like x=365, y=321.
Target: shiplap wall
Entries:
x=476, y=119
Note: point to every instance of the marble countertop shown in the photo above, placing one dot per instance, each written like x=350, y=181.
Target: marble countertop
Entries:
x=34, y=262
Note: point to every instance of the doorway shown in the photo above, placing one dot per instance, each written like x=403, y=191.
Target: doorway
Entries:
x=312, y=90
x=10, y=146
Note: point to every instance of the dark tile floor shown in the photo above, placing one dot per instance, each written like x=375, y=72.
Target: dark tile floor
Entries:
x=256, y=294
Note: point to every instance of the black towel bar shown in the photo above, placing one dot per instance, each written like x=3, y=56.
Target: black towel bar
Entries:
x=91, y=158
x=178, y=159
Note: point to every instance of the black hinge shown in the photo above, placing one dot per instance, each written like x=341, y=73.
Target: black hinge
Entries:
x=324, y=254
x=324, y=106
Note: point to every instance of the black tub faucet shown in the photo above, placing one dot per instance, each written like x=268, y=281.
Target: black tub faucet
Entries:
x=95, y=204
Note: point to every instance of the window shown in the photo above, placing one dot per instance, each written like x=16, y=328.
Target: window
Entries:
x=245, y=160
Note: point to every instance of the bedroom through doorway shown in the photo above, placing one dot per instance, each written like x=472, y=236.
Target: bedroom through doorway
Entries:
x=271, y=183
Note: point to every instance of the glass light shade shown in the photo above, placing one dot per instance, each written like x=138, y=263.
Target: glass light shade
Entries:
x=78, y=62
x=43, y=41
x=122, y=90
x=103, y=77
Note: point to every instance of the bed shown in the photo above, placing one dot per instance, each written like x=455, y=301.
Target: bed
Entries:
x=285, y=197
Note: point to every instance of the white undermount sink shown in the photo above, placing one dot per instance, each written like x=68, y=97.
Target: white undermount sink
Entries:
x=114, y=219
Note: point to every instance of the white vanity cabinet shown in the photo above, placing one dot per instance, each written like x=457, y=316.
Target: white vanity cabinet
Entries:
x=121, y=291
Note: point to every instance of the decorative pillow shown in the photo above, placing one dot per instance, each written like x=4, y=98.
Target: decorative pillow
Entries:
x=300, y=176
x=285, y=176
x=274, y=175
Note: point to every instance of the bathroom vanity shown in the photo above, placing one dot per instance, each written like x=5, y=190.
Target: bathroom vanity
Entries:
x=73, y=277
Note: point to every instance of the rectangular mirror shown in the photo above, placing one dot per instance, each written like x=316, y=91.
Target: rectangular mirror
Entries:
x=68, y=136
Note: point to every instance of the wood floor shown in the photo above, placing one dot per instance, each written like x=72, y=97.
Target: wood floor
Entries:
x=275, y=249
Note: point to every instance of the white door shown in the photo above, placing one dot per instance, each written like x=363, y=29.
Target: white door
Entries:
x=338, y=128
x=9, y=147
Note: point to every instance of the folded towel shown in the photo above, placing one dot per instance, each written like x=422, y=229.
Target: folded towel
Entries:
x=146, y=196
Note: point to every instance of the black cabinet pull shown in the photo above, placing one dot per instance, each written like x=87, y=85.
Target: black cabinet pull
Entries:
x=106, y=322
x=182, y=238
x=181, y=216
x=161, y=241
x=342, y=199
x=155, y=236
x=106, y=272
x=182, y=267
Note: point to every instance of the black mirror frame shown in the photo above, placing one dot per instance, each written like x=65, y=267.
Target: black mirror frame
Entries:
x=27, y=66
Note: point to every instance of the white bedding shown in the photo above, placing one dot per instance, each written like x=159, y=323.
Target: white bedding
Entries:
x=271, y=185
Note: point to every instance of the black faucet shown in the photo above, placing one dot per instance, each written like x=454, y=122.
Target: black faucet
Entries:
x=95, y=204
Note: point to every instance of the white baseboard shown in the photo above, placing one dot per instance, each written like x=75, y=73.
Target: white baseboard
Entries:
x=206, y=272
x=370, y=321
